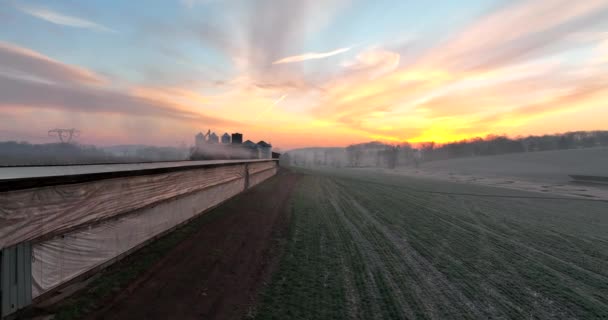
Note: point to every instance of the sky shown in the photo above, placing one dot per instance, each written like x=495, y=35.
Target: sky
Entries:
x=301, y=73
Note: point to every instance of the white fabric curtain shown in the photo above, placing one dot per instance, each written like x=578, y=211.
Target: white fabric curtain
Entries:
x=28, y=214
x=64, y=257
x=133, y=209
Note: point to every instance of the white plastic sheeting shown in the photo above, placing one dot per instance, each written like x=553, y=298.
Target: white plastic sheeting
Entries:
x=77, y=227
x=258, y=177
x=261, y=166
x=65, y=257
x=8, y=173
x=62, y=258
x=31, y=213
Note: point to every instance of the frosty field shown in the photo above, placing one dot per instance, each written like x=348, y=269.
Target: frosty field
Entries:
x=366, y=245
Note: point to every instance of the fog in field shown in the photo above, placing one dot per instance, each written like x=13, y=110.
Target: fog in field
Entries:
x=534, y=163
x=13, y=153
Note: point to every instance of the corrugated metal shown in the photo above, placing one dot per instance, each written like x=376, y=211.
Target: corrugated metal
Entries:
x=38, y=172
x=16, y=278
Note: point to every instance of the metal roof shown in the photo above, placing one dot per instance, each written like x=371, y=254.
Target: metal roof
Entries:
x=264, y=144
x=22, y=172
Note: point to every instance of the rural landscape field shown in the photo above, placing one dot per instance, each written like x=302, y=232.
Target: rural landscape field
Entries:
x=303, y=159
x=357, y=243
x=369, y=246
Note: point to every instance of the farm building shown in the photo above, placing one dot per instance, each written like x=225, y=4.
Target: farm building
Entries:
x=265, y=150
x=63, y=224
x=207, y=147
x=237, y=138
x=252, y=149
x=225, y=138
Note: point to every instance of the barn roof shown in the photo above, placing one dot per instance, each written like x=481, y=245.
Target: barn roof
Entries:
x=264, y=144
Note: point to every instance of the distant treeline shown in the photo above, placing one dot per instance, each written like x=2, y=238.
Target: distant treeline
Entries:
x=493, y=145
x=13, y=153
x=377, y=154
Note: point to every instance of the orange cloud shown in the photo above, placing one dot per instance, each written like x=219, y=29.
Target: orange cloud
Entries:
x=471, y=83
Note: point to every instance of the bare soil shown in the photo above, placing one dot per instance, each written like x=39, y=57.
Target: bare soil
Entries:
x=217, y=272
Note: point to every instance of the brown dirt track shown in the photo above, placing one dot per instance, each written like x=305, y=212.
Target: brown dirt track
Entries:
x=217, y=272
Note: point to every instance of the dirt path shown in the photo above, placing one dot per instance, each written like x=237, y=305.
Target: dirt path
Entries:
x=217, y=272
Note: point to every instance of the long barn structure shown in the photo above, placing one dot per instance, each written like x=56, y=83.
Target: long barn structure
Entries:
x=62, y=223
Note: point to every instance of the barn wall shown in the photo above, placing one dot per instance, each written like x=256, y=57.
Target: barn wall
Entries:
x=260, y=176
x=76, y=228
x=31, y=213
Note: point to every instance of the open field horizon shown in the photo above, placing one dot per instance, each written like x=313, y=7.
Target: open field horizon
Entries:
x=329, y=243
x=365, y=245
x=542, y=171
x=550, y=165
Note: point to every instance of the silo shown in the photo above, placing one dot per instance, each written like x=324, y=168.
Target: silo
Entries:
x=225, y=138
x=213, y=138
x=237, y=138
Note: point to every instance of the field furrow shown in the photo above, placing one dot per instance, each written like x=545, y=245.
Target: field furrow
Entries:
x=372, y=247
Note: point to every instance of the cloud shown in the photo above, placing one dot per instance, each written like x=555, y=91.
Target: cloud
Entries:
x=64, y=20
x=273, y=28
x=250, y=36
x=174, y=96
x=487, y=68
x=18, y=61
x=371, y=83
x=256, y=33
x=590, y=91
x=519, y=31
x=276, y=102
x=192, y=3
x=311, y=56
x=23, y=93
x=29, y=79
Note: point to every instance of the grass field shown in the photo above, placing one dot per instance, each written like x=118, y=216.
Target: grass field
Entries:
x=367, y=246
x=545, y=166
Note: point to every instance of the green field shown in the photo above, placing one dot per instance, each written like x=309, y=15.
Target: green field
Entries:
x=369, y=246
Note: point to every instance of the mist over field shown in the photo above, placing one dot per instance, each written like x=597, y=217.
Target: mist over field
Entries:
x=535, y=163
x=14, y=153
x=384, y=155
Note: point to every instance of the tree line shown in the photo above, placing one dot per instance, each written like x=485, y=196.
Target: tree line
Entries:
x=378, y=154
x=14, y=153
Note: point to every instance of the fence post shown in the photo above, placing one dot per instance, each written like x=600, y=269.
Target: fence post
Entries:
x=246, y=176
